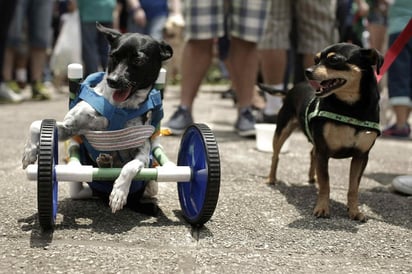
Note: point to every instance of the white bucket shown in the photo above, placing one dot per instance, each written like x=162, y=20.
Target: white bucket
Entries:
x=264, y=138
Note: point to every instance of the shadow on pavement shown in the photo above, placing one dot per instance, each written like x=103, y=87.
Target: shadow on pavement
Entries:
x=93, y=214
x=389, y=207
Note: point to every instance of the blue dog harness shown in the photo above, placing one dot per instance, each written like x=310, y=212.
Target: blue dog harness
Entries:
x=117, y=116
x=116, y=136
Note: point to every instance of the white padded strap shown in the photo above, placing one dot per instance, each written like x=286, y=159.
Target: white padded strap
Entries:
x=114, y=140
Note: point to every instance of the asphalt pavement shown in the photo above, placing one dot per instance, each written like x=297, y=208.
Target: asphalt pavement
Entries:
x=256, y=228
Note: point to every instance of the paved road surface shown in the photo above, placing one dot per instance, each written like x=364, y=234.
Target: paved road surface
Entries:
x=256, y=228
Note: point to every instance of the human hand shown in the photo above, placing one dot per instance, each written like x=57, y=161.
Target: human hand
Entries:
x=139, y=17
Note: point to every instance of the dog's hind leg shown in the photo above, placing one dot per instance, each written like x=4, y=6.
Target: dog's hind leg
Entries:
x=357, y=167
x=281, y=135
x=322, y=203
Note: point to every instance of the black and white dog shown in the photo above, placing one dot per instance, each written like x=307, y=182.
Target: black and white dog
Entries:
x=133, y=67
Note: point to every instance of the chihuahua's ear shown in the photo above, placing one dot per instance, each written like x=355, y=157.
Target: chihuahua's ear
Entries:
x=166, y=51
x=111, y=34
x=374, y=57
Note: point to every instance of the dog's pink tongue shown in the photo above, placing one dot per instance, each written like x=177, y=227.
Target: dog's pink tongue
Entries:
x=121, y=95
x=315, y=84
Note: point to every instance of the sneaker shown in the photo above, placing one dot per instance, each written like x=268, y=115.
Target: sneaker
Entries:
x=245, y=124
x=228, y=94
x=179, y=121
x=13, y=86
x=394, y=131
x=39, y=91
x=262, y=118
x=9, y=96
x=403, y=184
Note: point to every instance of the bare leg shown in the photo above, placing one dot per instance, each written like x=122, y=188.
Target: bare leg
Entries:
x=9, y=55
x=37, y=63
x=402, y=115
x=273, y=63
x=244, y=58
x=196, y=59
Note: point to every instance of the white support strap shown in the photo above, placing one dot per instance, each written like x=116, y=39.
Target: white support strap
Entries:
x=114, y=140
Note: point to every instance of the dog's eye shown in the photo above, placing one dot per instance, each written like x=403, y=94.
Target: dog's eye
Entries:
x=335, y=59
x=316, y=60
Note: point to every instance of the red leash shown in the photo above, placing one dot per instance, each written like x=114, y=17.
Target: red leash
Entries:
x=395, y=49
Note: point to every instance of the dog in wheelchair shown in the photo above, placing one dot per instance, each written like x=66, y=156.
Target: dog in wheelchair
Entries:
x=120, y=102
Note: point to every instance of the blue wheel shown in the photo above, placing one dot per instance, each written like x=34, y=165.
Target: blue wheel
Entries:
x=198, y=198
x=46, y=176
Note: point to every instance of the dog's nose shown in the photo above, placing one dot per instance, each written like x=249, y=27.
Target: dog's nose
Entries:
x=113, y=82
x=309, y=72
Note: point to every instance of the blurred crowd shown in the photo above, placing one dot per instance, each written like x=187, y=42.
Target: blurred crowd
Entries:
x=44, y=36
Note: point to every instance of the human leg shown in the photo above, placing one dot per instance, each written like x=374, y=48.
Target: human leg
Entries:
x=15, y=41
x=377, y=24
x=247, y=26
x=89, y=47
x=40, y=16
x=156, y=27
x=273, y=63
x=244, y=59
x=400, y=91
x=6, y=14
x=273, y=57
x=243, y=56
x=196, y=59
x=316, y=25
x=196, y=56
x=316, y=28
x=103, y=47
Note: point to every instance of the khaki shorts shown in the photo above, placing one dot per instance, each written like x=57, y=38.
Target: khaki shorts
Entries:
x=246, y=19
x=316, y=25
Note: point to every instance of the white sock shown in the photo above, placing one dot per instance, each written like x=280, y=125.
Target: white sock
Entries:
x=273, y=102
x=21, y=75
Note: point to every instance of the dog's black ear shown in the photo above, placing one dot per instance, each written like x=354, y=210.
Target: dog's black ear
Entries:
x=111, y=34
x=374, y=57
x=166, y=51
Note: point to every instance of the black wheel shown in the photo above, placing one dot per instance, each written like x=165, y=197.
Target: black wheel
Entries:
x=198, y=198
x=46, y=176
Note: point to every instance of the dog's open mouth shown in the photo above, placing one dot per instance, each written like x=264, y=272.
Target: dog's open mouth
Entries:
x=121, y=95
x=325, y=86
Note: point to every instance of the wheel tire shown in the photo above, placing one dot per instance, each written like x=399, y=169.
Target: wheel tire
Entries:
x=47, y=188
x=198, y=198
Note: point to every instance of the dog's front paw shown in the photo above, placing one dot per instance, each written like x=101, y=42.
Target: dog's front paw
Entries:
x=118, y=197
x=29, y=155
x=272, y=180
x=356, y=215
x=322, y=209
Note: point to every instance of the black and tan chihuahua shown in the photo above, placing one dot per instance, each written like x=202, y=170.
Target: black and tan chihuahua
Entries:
x=338, y=110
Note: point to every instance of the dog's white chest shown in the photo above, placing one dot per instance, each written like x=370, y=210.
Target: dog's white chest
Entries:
x=342, y=136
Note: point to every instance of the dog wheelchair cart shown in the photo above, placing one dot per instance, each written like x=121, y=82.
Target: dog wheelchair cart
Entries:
x=197, y=172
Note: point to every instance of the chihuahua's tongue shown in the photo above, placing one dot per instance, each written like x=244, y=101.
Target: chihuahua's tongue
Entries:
x=315, y=84
x=121, y=95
